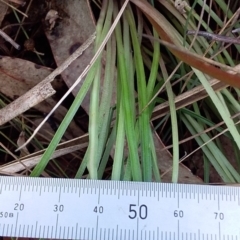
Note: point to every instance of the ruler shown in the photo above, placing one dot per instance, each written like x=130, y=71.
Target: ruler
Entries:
x=91, y=209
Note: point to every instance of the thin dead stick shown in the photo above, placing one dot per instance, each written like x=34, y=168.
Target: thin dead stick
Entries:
x=18, y=161
x=10, y=40
x=215, y=37
x=30, y=162
x=17, y=107
x=85, y=71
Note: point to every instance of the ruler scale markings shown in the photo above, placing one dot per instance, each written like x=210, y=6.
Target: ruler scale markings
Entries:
x=33, y=187
x=27, y=231
x=216, y=195
x=63, y=233
x=76, y=231
x=36, y=185
x=170, y=190
x=11, y=228
x=80, y=233
x=86, y=188
x=93, y=188
x=49, y=185
x=52, y=232
x=219, y=229
x=31, y=234
x=19, y=230
x=137, y=228
x=115, y=189
x=44, y=185
x=155, y=190
x=218, y=201
x=20, y=195
x=72, y=233
x=116, y=236
x=98, y=200
x=200, y=193
x=111, y=189
x=138, y=195
x=56, y=226
x=79, y=191
x=40, y=190
x=43, y=233
x=46, y=233
x=119, y=191
x=96, y=228
x=120, y=234
x=16, y=225
x=108, y=189
x=89, y=230
x=65, y=186
x=221, y=201
x=28, y=185
x=178, y=196
x=76, y=187
x=59, y=195
x=178, y=232
x=194, y=194
x=59, y=232
x=23, y=230
x=7, y=185
x=84, y=231
x=40, y=230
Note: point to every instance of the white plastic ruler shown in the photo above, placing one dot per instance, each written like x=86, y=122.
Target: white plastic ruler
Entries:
x=91, y=210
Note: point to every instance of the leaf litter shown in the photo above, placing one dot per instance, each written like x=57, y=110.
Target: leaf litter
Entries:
x=66, y=29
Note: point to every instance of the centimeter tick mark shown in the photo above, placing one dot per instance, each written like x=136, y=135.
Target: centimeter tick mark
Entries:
x=99, y=194
x=20, y=193
x=219, y=229
x=56, y=228
x=59, y=196
x=96, y=228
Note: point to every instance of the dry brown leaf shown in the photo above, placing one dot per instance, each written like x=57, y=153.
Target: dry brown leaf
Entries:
x=17, y=76
x=71, y=32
